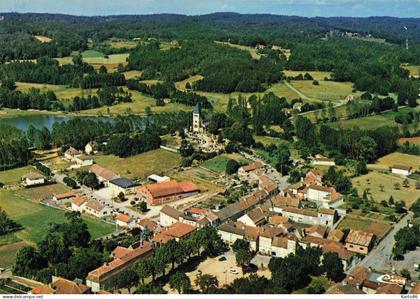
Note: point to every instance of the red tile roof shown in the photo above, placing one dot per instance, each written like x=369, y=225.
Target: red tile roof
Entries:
x=282, y=201
x=64, y=286
x=360, y=238
x=170, y=188
x=253, y=166
x=94, y=205
x=120, y=251
x=65, y=195
x=102, y=172
x=188, y=186
x=194, y=210
x=152, y=225
x=123, y=218
x=78, y=201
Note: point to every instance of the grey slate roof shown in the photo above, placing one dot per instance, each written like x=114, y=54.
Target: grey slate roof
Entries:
x=123, y=183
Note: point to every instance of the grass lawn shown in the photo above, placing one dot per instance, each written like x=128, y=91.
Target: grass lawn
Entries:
x=180, y=85
x=317, y=75
x=398, y=158
x=36, y=194
x=35, y=217
x=326, y=90
x=13, y=176
x=132, y=74
x=202, y=177
x=218, y=163
x=356, y=222
x=121, y=43
x=8, y=253
x=373, y=180
x=140, y=166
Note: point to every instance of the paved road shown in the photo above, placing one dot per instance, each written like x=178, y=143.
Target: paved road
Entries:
x=380, y=257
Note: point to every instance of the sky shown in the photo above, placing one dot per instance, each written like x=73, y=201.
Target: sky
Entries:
x=309, y=8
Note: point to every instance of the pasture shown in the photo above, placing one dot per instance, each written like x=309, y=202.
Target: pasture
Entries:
x=326, y=90
x=35, y=217
x=119, y=43
x=218, y=163
x=141, y=165
x=13, y=176
x=252, y=51
x=37, y=194
x=42, y=38
x=317, y=75
x=375, y=182
x=378, y=227
x=398, y=158
x=203, y=178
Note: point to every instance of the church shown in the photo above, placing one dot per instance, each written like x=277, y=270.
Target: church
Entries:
x=198, y=124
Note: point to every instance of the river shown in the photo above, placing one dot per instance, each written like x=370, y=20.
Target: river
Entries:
x=22, y=122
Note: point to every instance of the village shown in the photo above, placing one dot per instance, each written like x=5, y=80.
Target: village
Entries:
x=274, y=217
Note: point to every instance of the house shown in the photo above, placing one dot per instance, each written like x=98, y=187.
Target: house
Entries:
x=147, y=223
x=278, y=220
x=389, y=288
x=255, y=217
x=61, y=286
x=313, y=177
x=104, y=175
x=318, y=193
x=124, y=220
x=321, y=160
x=266, y=238
x=335, y=235
x=176, y=231
x=402, y=170
x=102, y=278
x=64, y=197
x=158, y=179
x=243, y=171
x=249, y=201
x=267, y=184
x=161, y=193
x=121, y=185
x=199, y=219
x=71, y=153
x=309, y=216
x=96, y=209
x=282, y=246
x=33, y=179
x=83, y=160
x=317, y=231
x=252, y=234
x=297, y=190
x=278, y=202
x=229, y=233
x=359, y=241
x=230, y=212
x=169, y=215
x=91, y=147
x=78, y=203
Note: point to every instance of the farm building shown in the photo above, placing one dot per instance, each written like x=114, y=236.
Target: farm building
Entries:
x=78, y=203
x=402, y=170
x=121, y=185
x=104, y=175
x=124, y=220
x=64, y=197
x=96, y=209
x=359, y=241
x=161, y=193
x=158, y=179
x=169, y=215
x=33, y=179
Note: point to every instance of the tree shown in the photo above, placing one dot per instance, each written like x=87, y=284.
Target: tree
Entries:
x=143, y=269
x=253, y=284
x=406, y=183
x=405, y=273
x=206, y=281
x=181, y=282
x=333, y=266
x=186, y=148
x=415, y=208
x=243, y=257
x=232, y=166
x=397, y=186
x=143, y=206
x=6, y=224
x=54, y=248
x=126, y=279
x=281, y=157
x=316, y=287
x=391, y=200
x=240, y=244
x=28, y=262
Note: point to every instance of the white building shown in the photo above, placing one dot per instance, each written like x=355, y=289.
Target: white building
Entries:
x=121, y=185
x=324, y=216
x=229, y=233
x=402, y=170
x=83, y=160
x=320, y=160
x=168, y=216
x=78, y=204
x=197, y=124
x=282, y=246
x=104, y=175
x=124, y=220
x=71, y=153
x=91, y=148
x=33, y=179
x=96, y=209
x=158, y=179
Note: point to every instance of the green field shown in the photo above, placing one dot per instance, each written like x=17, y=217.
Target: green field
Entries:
x=397, y=158
x=35, y=218
x=37, y=194
x=374, y=180
x=326, y=90
x=140, y=166
x=203, y=178
x=218, y=164
x=13, y=176
x=413, y=69
x=355, y=222
x=317, y=75
x=251, y=50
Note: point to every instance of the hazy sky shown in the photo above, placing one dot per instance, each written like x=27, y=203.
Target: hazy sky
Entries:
x=399, y=8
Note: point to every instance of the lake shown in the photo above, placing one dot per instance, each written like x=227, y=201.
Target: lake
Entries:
x=22, y=122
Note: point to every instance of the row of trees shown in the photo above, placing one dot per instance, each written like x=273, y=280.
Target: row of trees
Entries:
x=13, y=147
x=7, y=224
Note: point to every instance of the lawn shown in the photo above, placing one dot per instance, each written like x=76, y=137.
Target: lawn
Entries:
x=132, y=74
x=36, y=194
x=8, y=253
x=398, y=158
x=374, y=180
x=35, y=217
x=180, y=85
x=204, y=179
x=355, y=222
x=326, y=90
x=62, y=92
x=218, y=163
x=142, y=165
x=13, y=176
x=317, y=75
